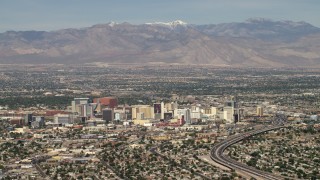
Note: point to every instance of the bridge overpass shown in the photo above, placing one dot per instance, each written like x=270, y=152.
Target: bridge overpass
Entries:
x=217, y=155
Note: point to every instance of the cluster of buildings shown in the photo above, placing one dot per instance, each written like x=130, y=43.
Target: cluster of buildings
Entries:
x=107, y=111
x=28, y=119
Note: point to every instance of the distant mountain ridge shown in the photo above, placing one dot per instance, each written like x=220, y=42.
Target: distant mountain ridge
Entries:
x=261, y=29
x=254, y=43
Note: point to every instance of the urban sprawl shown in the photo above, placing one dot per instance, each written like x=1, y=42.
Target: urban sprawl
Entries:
x=100, y=121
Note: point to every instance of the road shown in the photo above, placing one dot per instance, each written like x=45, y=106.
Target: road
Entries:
x=36, y=165
x=217, y=155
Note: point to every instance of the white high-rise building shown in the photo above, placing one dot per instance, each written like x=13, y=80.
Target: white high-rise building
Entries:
x=134, y=113
x=178, y=113
x=187, y=116
x=259, y=111
x=162, y=110
x=228, y=114
x=186, y=113
x=75, y=104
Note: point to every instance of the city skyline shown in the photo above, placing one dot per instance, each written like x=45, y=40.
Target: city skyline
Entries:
x=88, y=121
x=146, y=89
x=53, y=15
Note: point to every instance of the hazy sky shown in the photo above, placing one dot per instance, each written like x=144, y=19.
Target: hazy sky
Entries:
x=57, y=14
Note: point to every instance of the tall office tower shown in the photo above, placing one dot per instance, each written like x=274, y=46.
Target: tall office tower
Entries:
x=228, y=114
x=93, y=109
x=83, y=110
x=75, y=104
x=134, y=113
x=233, y=103
x=28, y=120
x=86, y=110
x=107, y=115
x=151, y=110
x=162, y=110
x=259, y=111
x=188, y=116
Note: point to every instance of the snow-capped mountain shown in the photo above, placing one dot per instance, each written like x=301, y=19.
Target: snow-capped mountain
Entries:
x=172, y=24
x=111, y=24
x=255, y=42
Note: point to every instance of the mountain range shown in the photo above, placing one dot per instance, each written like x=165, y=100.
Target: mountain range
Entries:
x=253, y=43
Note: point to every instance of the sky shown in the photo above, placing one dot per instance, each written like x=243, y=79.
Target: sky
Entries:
x=60, y=14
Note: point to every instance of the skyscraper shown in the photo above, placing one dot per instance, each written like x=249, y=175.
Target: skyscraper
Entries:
x=188, y=116
x=28, y=120
x=75, y=104
x=228, y=114
x=259, y=111
x=107, y=115
x=232, y=111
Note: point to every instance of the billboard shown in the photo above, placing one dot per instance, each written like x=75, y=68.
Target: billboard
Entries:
x=157, y=108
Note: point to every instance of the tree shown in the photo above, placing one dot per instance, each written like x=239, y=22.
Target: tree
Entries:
x=252, y=162
x=291, y=161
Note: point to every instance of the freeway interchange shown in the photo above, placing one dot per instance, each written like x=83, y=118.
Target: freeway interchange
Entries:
x=217, y=155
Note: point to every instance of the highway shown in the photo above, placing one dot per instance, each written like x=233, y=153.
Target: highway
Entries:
x=217, y=155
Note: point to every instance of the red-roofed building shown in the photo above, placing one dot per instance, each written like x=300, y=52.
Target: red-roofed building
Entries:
x=110, y=102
